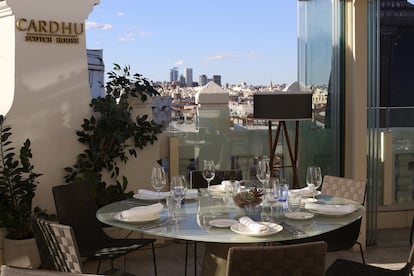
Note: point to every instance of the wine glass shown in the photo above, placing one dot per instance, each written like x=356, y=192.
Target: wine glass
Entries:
x=208, y=172
x=263, y=171
x=158, y=179
x=313, y=178
x=178, y=190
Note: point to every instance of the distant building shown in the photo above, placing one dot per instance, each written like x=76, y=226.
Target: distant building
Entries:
x=202, y=80
x=189, y=77
x=96, y=70
x=217, y=79
x=174, y=74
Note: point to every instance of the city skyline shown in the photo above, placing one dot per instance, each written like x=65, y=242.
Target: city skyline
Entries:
x=240, y=41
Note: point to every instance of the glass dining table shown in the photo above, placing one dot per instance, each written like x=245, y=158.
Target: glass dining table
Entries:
x=214, y=220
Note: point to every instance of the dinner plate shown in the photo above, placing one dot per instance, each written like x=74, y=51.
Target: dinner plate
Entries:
x=299, y=215
x=308, y=200
x=223, y=223
x=149, y=218
x=332, y=214
x=243, y=230
x=149, y=198
x=305, y=193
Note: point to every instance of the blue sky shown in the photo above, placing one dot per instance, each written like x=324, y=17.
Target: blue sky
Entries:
x=241, y=40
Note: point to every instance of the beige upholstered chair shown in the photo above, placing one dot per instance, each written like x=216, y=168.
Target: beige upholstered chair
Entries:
x=17, y=271
x=295, y=259
x=344, y=187
x=346, y=237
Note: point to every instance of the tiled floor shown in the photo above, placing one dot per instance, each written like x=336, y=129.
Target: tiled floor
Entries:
x=391, y=251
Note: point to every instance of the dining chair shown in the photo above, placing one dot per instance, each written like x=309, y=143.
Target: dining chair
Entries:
x=76, y=207
x=197, y=180
x=7, y=270
x=294, y=259
x=345, y=237
x=46, y=257
x=343, y=267
x=61, y=245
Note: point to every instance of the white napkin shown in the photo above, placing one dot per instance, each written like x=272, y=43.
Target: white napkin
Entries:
x=154, y=194
x=253, y=226
x=335, y=209
x=303, y=192
x=142, y=212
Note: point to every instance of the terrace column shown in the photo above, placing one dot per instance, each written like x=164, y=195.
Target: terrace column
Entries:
x=44, y=90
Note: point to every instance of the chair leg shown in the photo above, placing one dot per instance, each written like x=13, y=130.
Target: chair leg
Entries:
x=153, y=259
x=362, y=252
x=186, y=256
x=195, y=258
x=99, y=267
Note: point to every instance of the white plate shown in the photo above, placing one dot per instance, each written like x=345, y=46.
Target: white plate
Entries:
x=304, y=193
x=149, y=198
x=332, y=214
x=223, y=223
x=299, y=215
x=308, y=200
x=241, y=229
x=154, y=217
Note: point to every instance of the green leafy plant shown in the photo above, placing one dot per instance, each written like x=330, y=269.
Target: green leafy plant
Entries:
x=18, y=184
x=112, y=135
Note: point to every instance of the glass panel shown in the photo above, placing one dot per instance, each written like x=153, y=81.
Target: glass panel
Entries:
x=320, y=68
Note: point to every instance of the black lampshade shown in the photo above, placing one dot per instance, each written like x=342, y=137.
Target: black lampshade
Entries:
x=282, y=105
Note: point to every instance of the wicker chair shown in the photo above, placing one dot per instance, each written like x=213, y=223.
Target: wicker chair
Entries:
x=295, y=259
x=345, y=237
x=76, y=207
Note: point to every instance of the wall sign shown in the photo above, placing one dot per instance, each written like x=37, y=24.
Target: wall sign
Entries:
x=50, y=31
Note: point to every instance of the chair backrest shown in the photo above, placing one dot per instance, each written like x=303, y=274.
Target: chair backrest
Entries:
x=46, y=256
x=53, y=249
x=197, y=180
x=295, y=259
x=66, y=242
x=18, y=271
x=76, y=207
x=344, y=187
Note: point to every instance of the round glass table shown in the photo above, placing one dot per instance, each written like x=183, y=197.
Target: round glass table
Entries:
x=209, y=218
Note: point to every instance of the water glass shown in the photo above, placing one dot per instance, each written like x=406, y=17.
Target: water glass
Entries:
x=178, y=190
x=283, y=191
x=170, y=202
x=274, y=184
x=294, y=202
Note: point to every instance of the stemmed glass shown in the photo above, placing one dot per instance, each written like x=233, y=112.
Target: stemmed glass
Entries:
x=263, y=171
x=158, y=180
x=178, y=190
x=313, y=178
x=208, y=172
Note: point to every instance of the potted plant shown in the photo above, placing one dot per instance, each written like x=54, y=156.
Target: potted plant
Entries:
x=112, y=135
x=18, y=184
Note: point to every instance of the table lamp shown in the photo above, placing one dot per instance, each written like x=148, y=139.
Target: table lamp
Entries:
x=283, y=106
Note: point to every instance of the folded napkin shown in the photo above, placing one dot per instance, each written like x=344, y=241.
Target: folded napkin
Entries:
x=142, y=212
x=154, y=194
x=334, y=209
x=303, y=192
x=253, y=226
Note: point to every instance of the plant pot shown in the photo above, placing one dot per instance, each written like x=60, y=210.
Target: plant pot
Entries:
x=21, y=253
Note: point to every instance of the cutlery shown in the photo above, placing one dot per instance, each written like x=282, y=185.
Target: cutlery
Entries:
x=291, y=229
x=162, y=223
